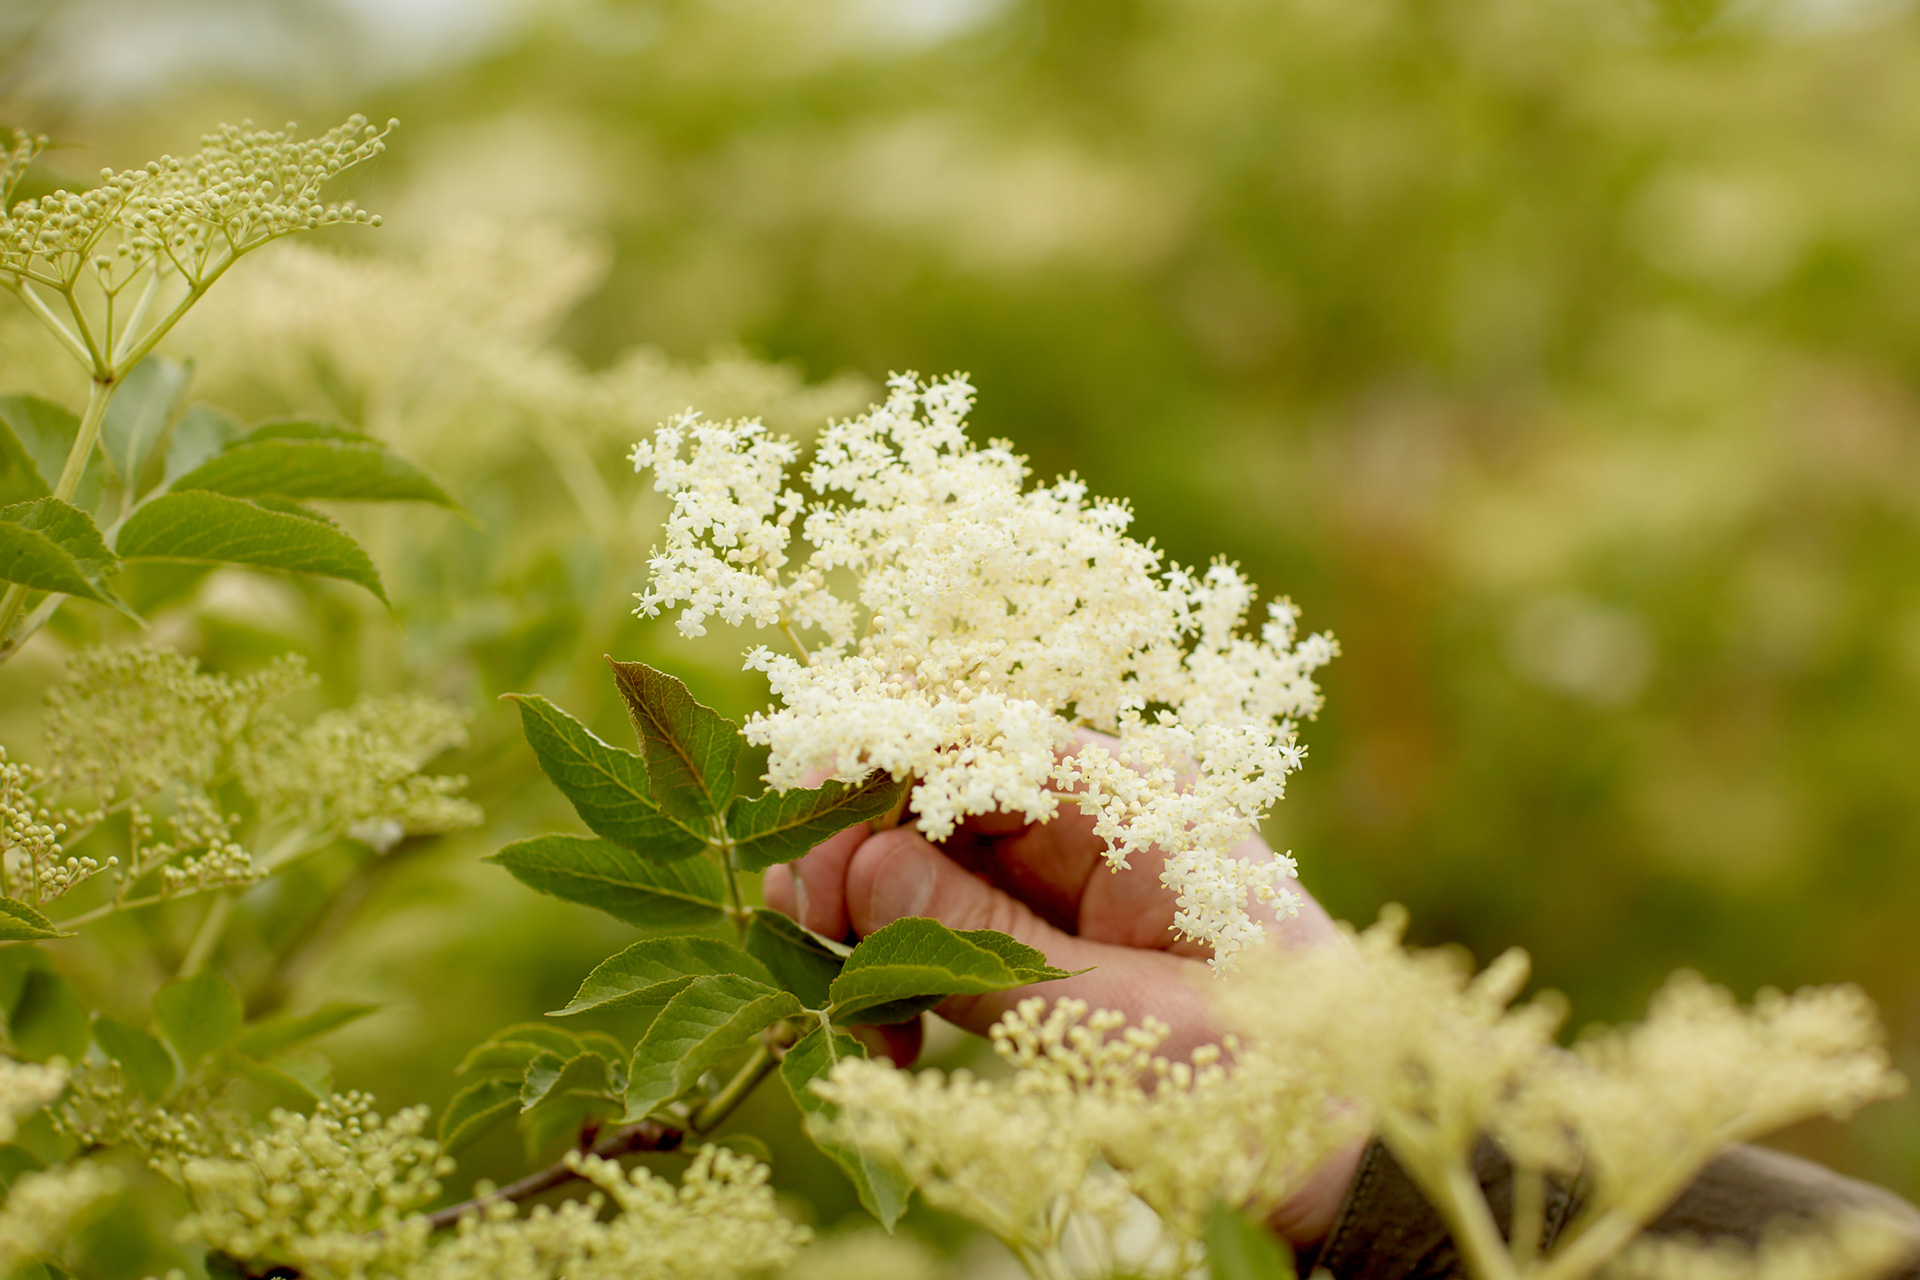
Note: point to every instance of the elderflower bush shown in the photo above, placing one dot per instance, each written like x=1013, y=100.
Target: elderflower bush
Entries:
x=985, y=622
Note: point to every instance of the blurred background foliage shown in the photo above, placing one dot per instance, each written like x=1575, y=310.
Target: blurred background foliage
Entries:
x=1561, y=356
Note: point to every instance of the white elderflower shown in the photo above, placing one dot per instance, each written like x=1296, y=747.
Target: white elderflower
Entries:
x=25, y=1087
x=954, y=627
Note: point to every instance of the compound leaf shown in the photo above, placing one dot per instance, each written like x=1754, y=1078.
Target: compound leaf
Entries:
x=914, y=958
x=265, y=533
x=800, y=961
x=690, y=749
x=342, y=466
x=780, y=826
x=698, y=1027
x=882, y=1189
x=49, y=545
x=605, y=785
x=586, y=869
x=651, y=972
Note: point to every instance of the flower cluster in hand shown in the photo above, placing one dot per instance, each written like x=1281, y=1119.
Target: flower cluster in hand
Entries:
x=960, y=628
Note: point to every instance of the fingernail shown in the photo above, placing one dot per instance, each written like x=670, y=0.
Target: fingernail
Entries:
x=903, y=888
x=800, y=900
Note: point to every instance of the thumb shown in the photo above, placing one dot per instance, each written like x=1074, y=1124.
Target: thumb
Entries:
x=897, y=873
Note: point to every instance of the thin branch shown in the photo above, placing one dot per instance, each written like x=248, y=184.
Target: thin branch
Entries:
x=648, y=1135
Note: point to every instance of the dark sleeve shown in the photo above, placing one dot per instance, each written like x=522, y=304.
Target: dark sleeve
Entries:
x=1387, y=1231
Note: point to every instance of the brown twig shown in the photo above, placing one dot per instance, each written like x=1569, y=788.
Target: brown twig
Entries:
x=648, y=1135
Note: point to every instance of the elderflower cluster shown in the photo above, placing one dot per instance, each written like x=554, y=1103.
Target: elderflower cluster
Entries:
x=1440, y=1057
x=967, y=628
x=244, y=187
x=1856, y=1246
x=34, y=863
x=358, y=771
x=25, y=1087
x=43, y=1207
x=1093, y=1120
x=720, y=1222
x=334, y=1193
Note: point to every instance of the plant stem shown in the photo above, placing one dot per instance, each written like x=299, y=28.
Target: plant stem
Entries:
x=722, y=1104
x=207, y=936
x=76, y=465
x=648, y=1135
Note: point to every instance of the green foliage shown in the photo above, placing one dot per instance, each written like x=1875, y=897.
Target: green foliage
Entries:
x=312, y=460
x=690, y=750
x=780, y=826
x=21, y=923
x=198, y=1016
x=695, y=1030
x=800, y=960
x=1241, y=1249
x=904, y=967
x=48, y=545
x=652, y=971
x=265, y=533
x=144, y=1059
x=883, y=1192
x=136, y=421
x=47, y=1019
x=606, y=786
x=679, y=894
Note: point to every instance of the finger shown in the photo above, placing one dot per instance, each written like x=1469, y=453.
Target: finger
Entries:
x=897, y=873
x=812, y=890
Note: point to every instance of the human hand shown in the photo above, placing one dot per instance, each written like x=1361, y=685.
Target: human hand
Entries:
x=1048, y=886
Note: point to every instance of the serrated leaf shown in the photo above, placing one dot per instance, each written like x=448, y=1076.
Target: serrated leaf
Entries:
x=506, y=1059
x=1239, y=1248
x=282, y=1089
x=36, y=441
x=197, y=1015
x=21, y=923
x=914, y=958
x=605, y=785
x=620, y=882
x=697, y=1028
x=271, y=1035
x=48, y=1019
x=780, y=826
x=202, y=432
x=550, y=1077
x=475, y=1109
x=49, y=545
x=882, y=1189
x=541, y=1034
x=690, y=749
x=651, y=972
x=139, y=412
x=263, y=532
x=799, y=960
x=342, y=467
x=144, y=1060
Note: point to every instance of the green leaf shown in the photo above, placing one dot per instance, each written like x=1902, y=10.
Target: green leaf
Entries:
x=15, y=1161
x=139, y=412
x=651, y=972
x=475, y=1109
x=339, y=466
x=202, y=432
x=271, y=1035
x=197, y=1015
x=697, y=1028
x=264, y=533
x=605, y=785
x=551, y=1077
x=21, y=923
x=882, y=1189
x=281, y=1088
x=800, y=961
x=144, y=1060
x=690, y=749
x=541, y=1035
x=304, y=429
x=780, y=826
x=599, y=873
x=1239, y=1248
x=51, y=546
x=48, y=1019
x=507, y=1058
x=915, y=958
x=38, y=436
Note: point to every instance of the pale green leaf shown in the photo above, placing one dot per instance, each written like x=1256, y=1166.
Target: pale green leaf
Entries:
x=605, y=785
x=49, y=545
x=549, y=1077
x=690, y=749
x=475, y=1109
x=38, y=436
x=282, y=1089
x=914, y=959
x=264, y=533
x=343, y=467
x=620, y=882
x=202, y=432
x=1239, y=1248
x=651, y=972
x=780, y=826
x=197, y=1015
x=21, y=923
x=144, y=1060
x=698, y=1027
x=139, y=412
x=882, y=1189
x=269, y=1036
x=801, y=961
x=48, y=1019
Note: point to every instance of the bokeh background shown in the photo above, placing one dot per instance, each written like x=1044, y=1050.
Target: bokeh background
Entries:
x=1562, y=357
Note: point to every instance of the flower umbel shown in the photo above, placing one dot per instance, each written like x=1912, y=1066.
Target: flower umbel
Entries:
x=968, y=626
